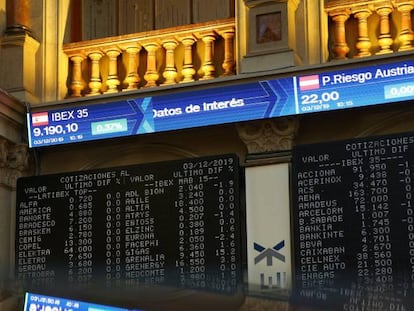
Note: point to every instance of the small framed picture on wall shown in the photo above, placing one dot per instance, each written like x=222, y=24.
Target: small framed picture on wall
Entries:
x=268, y=27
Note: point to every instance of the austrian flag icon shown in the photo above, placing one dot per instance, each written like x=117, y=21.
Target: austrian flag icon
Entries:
x=308, y=83
x=40, y=119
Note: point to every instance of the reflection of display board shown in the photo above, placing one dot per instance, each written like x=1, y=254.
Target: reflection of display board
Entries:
x=354, y=224
x=35, y=302
x=311, y=92
x=171, y=223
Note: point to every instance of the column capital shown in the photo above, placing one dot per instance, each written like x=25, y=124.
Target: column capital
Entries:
x=131, y=47
x=169, y=43
x=14, y=160
x=187, y=40
x=404, y=5
x=95, y=54
x=361, y=10
x=228, y=32
x=269, y=136
x=383, y=8
x=340, y=15
x=112, y=51
x=151, y=46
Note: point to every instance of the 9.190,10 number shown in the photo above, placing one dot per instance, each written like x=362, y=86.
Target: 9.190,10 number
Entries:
x=55, y=129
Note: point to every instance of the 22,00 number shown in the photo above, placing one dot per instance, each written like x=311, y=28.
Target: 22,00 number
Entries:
x=316, y=99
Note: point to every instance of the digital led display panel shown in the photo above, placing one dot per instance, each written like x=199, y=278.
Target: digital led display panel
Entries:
x=353, y=218
x=325, y=91
x=36, y=302
x=116, y=232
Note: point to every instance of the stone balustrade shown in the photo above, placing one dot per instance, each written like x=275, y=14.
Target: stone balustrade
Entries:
x=154, y=58
x=365, y=28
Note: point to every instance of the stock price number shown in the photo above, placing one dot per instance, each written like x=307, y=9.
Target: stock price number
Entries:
x=55, y=129
x=314, y=101
x=399, y=90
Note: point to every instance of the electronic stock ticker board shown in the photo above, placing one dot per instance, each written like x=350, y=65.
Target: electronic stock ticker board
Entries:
x=354, y=224
x=171, y=223
x=322, y=91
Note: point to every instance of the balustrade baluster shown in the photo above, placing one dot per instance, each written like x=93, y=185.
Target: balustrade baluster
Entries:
x=170, y=72
x=364, y=44
x=77, y=84
x=112, y=81
x=208, y=65
x=95, y=82
x=188, y=70
x=406, y=35
x=340, y=47
x=132, y=79
x=228, y=63
x=151, y=75
x=385, y=40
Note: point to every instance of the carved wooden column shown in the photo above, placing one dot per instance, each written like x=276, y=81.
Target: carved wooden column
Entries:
x=132, y=79
x=406, y=35
x=95, y=82
x=77, y=84
x=151, y=75
x=188, y=70
x=229, y=62
x=18, y=16
x=364, y=44
x=340, y=47
x=385, y=40
x=208, y=64
x=170, y=72
x=113, y=81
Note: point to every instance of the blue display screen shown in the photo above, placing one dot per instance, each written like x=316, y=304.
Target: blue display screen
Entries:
x=327, y=91
x=35, y=302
